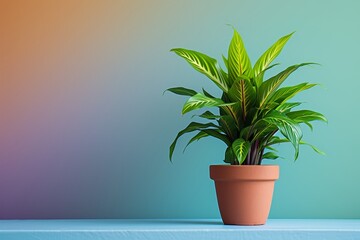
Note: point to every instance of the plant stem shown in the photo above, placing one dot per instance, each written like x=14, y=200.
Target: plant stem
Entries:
x=254, y=149
x=260, y=156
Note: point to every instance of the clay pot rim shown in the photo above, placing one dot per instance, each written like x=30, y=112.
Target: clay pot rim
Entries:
x=227, y=165
x=244, y=172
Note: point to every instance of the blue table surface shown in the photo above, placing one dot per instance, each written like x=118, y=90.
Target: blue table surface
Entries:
x=276, y=229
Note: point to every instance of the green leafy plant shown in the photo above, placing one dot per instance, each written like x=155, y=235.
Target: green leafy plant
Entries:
x=251, y=109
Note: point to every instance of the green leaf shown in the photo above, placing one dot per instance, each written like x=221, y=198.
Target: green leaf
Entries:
x=209, y=132
x=304, y=116
x=313, y=148
x=230, y=156
x=241, y=149
x=225, y=76
x=207, y=94
x=238, y=60
x=289, y=128
x=233, y=110
x=209, y=115
x=199, y=101
x=259, y=78
x=262, y=128
x=270, y=155
x=286, y=107
x=205, y=65
x=271, y=148
x=193, y=126
x=216, y=134
x=278, y=140
x=197, y=137
x=309, y=125
x=268, y=87
x=225, y=61
x=182, y=91
x=243, y=92
x=228, y=125
x=269, y=55
x=284, y=94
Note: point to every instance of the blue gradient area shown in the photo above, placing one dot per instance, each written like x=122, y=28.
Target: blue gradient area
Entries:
x=94, y=142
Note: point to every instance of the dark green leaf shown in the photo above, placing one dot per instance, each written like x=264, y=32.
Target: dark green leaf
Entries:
x=230, y=156
x=278, y=140
x=286, y=107
x=206, y=93
x=289, y=128
x=243, y=92
x=233, y=110
x=304, y=116
x=268, y=88
x=197, y=137
x=270, y=155
x=209, y=115
x=193, y=126
x=182, y=91
x=216, y=134
x=228, y=125
x=261, y=129
x=271, y=148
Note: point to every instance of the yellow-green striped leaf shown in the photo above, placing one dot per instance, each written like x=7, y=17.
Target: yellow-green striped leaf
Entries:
x=199, y=101
x=204, y=64
x=284, y=94
x=243, y=92
x=268, y=88
x=241, y=149
x=238, y=60
x=268, y=56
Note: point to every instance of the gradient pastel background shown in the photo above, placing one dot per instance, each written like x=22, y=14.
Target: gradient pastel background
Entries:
x=85, y=129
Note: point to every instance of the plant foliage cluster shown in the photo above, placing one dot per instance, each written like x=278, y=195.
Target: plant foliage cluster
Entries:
x=251, y=109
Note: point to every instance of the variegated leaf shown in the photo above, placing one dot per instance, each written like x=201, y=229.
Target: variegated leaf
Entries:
x=199, y=101
x=238, y=60
x=204, y=64
x=243, y=92
x=241, y=149
x=268, y=88
x=284, y=94
x=289, y=128
x=269, y=55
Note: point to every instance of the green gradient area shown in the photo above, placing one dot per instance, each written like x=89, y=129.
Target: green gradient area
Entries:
x=315, y=186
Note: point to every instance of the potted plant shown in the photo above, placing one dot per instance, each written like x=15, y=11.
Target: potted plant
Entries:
x=253, y=112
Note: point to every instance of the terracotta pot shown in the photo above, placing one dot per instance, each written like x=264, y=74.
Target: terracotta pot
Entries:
x=244, y=192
